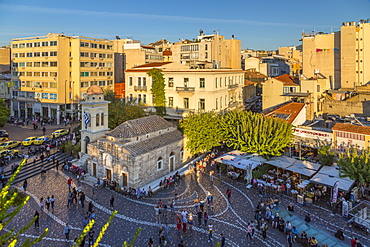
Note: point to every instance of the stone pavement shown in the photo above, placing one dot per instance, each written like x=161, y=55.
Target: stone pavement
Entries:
x=228, y=218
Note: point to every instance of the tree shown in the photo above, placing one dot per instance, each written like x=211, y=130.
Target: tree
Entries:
x=254, y=133
x=120, y=111
x=326, y=155
x=355, y=164
x=200, y=130
x=4, y=113
x=158, y=92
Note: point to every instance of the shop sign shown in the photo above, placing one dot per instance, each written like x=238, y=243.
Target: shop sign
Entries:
x=313, y=134
x=300, y=199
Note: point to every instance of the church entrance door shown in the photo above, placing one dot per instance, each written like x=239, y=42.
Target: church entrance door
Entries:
x=172, y=163
x=124, y=179
x=109, y=174
x=94, y=170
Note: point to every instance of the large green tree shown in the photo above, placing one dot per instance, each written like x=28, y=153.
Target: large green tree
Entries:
x=355, y=164
x=4, y=113
x=158, y=91
x=120, y=110
x=200, y=130
x=254, y=133
x=326, y=155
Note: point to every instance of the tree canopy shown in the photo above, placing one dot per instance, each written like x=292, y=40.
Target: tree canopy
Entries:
x=120, y=111
x=4, y=113
x=158, y=92
x=242, y=130
x=326, y=155
x=355, y=164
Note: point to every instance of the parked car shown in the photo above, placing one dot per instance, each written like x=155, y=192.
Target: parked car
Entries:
x=4, y=133
x=11, y=154
x=59, y=133
x=40, y=140
x=9, y=145
x=4, y=139
x=29, y=141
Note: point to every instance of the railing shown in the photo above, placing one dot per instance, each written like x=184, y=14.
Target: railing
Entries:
x=140, y=88
x=233, y=86
x=185, y=89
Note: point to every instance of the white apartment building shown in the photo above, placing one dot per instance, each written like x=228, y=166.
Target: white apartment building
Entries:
x=187, y=89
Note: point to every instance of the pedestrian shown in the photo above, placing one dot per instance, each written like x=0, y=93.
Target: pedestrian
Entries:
x=210, y=232
x=160, y=235
x=91, y=237
x=166, y=232
x=70, y=196
x=205, y=216
x=66, y=231
x=264, y=228
x=74, y=195
x=85, y=221
x=223, y=240
x=181, y=244
x=111, y=202
x=25, y=184
x=308, y=218
x=353, y=242
x=42, y=156
x=200, y=216
x=290, y=239
x=249, y=231
x=201, y=205
x=150, y=242
x=228, y=193
x=37, y=218
x=47, y=203
x=90, y=207
x=184, y=223
x=42, y=204
x=157, y=213
x=92, y=215
x=43, y=131
x=43, y=172
x=57, y=165
x=69, y=182
x=82, y=199
x=304, y=240
x=178, y=224
x=52, y=200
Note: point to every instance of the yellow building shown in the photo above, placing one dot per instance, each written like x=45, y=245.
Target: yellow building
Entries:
x=187, y=89
x=355, y=53
x=4, y=59
x=321, y=57
x=50, y=74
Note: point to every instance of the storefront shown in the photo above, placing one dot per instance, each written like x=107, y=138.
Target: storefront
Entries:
x=349, y=135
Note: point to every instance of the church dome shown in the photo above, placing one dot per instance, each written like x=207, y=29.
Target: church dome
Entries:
x=94, y=89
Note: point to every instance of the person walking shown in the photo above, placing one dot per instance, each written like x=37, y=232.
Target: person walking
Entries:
x=200, y=216
x=52, y=200
x=57, y=165
x=69, y=182
x=47, y=203
x=264, y=228
x=90, y=207
x=91, y=237
x=210, y=232
x=43, y=172
x=150, y=242
x=43, y=131
x=223, y=240
x=184, y=223
x=205, y=219
x=66, y=231
x=166, y=232
x=249, y=231
x=82, y=199
x=228, y=193
x=111, y=202
x=25, y=184
x=70, y=196
x=42, y=204
x=290, y=239
x=37, y=216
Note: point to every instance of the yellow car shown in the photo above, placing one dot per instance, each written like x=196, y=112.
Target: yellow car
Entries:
x=59, y=133
x=4, y=139
x=9, y=145
x=40, y=140
x=29, y=141
x=10, y=153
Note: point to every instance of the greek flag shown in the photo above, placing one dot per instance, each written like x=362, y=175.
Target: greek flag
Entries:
x=86, y=119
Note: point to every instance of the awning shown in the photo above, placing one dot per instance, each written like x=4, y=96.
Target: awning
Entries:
x=278, y=163
x=328, y=175
x=307, y=165
x=241, y=160
x=301, y=170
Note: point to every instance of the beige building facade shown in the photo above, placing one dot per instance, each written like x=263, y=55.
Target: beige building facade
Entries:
x=187, y=89
x=50, y=74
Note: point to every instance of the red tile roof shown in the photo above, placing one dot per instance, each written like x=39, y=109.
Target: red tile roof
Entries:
x=352, y=128
x=167, y=53
x=288, y=80
x=147, y=47
x=248, y=83
x=288, y=111
x=149, y=65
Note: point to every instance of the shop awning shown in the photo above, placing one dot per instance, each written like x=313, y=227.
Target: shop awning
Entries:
x=241, y=160
x=328, y=175
x=301, y=170
x=307, y=165
x=278, y=163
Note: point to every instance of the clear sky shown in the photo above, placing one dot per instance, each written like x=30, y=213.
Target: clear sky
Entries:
x=259, y=24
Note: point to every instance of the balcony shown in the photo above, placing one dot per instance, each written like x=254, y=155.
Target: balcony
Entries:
x=233, y=86
x=185, y=89
x=233, y=104
x=140, y=88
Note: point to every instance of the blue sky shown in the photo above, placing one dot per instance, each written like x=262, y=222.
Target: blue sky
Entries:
x=264, y=24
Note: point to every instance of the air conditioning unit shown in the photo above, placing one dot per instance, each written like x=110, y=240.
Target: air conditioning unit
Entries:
x=70, y=58
x=109, y=68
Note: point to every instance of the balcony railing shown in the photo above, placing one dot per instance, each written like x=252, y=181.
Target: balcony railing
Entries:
x=233, y=86
x=185, y=89
x=140, y=88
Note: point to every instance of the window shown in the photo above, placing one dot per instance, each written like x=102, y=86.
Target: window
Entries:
x=45, y=84
x=36, y=73
x=53, y=54
x=53, y=74
x=186, y=103
x=102, y=119
x=15, y=46
x=93, y=64
x=131, y=97
x=93, y=73
x=139, y=81
x=216, y=104
x=170, y=101
x=159, y=164
x=144, y=98
x=53, y=43
x=109, y=73
x=216, y=82
x=45, y=53
x=44, y=64
x=202, y=82
x=109, y=65
x=97, y=118
x=109, y=82
x=53, y=85
x=36, y=44
x=29, y=64
x=144, y=81
x=22, y=45
x=92, y=45
x=22, y=64
x=102, y=55
x=84, y=44
x=101, y=83
x=130, y=81
x=15, y=54
x=45, y=43
x=101, y=64
x=170, y=82
x=221, y=103
x=28, y=73
x=36, y=54
x=202, y=104
x=29, y=54
x=206, y=47
x=186, y=82
x=101, y=46
x=84, y=84
x=84, y=54
x=36, y=64
x=84, y=73
x=53, y=64
x=44, y=74
x=109, y=55
x=22, y=54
